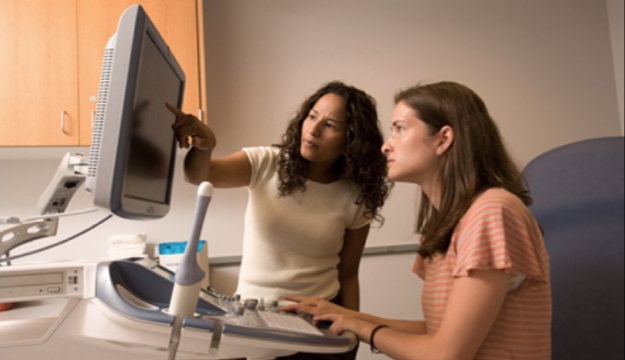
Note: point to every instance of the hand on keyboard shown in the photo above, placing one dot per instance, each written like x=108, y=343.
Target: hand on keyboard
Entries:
x=283, y=321
x=324, y=324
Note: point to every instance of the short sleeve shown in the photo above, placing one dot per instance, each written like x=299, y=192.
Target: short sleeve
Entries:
x=360, y=219
x=419, y=267
x=498, y=232
x=263, y=162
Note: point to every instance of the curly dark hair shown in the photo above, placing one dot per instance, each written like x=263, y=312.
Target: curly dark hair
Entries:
x=362, y=161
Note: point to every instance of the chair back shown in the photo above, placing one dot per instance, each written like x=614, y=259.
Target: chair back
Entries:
x=578, y=201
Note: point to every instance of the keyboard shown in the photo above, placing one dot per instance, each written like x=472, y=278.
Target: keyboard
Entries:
x=288, y=322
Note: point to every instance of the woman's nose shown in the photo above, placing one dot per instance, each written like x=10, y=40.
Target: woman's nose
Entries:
x=386, y=147
x=315, y=129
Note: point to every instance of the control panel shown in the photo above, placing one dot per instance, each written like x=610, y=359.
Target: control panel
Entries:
x=261, y=314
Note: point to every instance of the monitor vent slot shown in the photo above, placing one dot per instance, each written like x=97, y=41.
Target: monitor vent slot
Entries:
x=98, y=121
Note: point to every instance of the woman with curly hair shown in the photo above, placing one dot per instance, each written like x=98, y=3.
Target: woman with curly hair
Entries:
x=311, y=199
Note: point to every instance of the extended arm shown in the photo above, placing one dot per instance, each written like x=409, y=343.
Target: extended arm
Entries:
x=229, y=171
x=320, y=307
x=473, y=306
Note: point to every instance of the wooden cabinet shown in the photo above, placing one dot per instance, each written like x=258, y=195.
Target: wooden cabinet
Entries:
x=38, y=80
x=177, y=21
x=51, y=55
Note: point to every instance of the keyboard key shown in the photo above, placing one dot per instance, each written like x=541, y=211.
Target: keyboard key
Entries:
x=288, y=322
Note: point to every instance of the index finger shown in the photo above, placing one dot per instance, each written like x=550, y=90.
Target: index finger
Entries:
x=290, y=308
x=175, y=110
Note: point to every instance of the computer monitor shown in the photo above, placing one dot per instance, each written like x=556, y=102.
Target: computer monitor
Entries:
x=133, y=148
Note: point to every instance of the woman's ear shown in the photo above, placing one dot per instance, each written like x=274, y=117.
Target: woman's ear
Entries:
x=445, y=139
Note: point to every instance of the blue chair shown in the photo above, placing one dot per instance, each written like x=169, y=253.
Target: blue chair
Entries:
x=578, y=201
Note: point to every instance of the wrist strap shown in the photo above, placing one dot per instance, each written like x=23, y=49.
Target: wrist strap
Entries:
x=375, y=330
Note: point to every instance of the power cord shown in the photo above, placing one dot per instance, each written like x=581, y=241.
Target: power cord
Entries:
x=9, y=258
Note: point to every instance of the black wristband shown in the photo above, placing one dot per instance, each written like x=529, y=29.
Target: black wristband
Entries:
x=375, y=330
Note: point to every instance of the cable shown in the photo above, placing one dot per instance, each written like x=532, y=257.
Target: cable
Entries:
x=49, y=216
x=16, y=220
x=7, y=259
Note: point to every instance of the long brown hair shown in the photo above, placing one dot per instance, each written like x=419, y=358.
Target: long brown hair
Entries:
x=476, y=161
x=362, y=161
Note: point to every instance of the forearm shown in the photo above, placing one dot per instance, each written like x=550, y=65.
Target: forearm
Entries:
x=350, y=301
x=409, y=326
x=473, y=306
x=350, y=298
x=197, y=165
x=350, y=293
x=405, y=346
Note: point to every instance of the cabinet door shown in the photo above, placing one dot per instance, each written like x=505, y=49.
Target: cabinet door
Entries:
x=177, y=21
x=38, y=84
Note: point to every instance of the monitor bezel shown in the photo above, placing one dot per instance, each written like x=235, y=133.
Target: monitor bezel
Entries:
x=116, y=119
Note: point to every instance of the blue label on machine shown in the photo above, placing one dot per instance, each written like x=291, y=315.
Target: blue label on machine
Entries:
x=176, y=248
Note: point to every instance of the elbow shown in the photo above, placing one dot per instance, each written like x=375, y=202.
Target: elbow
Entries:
x=348, y=273
x=348, y=278
x=446, y=349
x=453, y=356
x=193, y=173
x=191, y=176
x=441, y=355
x=196, y=178
x=192, y=180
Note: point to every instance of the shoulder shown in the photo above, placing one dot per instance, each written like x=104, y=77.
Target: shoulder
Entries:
x=499, y=232
x=263, y=161
x=495, y=216
x=262, y=156
x=259, y=152
x=499, y=195
x=496, y=201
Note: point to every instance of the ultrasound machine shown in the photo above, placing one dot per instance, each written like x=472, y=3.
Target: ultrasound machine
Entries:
x=135, y=308
x=119, y=310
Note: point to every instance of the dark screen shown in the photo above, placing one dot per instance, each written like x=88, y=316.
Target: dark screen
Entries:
x=150, y=154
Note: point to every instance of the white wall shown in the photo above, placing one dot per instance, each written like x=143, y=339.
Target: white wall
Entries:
x=535, y=62
x=545, y=68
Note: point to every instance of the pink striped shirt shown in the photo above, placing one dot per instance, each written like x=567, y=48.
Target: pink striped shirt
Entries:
x=497, y=232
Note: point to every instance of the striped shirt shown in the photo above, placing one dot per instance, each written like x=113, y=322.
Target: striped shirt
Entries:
x=497, y=233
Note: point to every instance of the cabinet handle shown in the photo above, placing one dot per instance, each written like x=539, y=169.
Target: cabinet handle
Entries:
x=63, y=122
x=200, y=115
x=92, y=117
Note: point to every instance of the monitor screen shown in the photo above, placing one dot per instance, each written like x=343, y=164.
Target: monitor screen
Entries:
x=131, y=162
